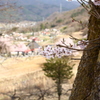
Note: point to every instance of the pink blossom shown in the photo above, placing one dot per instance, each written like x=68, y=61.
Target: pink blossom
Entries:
x=21, y=47
x=55, y=51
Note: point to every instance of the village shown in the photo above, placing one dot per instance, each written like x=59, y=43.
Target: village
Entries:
x=39, y=43
x=22, y=44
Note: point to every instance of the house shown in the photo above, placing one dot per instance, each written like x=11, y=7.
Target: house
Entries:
x=33, y=46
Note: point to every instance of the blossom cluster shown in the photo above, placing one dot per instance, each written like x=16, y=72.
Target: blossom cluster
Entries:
x=56, y=51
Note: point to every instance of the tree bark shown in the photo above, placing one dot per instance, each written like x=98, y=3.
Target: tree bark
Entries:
x=42, y=97
x=59, y=89
x=87, y=83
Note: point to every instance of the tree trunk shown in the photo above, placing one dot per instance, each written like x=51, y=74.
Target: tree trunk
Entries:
x=59, y=96
x=59, y=89
x=42, y=97
x=87, y=83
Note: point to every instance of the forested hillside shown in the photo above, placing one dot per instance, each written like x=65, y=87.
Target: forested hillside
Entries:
x=36, y=10
x=65, y=21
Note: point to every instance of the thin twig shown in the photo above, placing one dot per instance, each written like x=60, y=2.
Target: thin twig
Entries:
x=78, y=49
x=75, y=58
x=90, y=41
x=74, y=38
x=88, y=6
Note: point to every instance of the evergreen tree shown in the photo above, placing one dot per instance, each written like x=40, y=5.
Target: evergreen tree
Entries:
x=59, y=70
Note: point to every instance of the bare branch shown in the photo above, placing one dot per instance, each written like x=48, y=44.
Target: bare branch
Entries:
x=78, y=49
x=88, y=6
x=71, y=37
x=75, y=58
x=90, y=41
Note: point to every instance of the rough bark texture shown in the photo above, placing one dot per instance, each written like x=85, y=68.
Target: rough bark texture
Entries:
x=87, y=83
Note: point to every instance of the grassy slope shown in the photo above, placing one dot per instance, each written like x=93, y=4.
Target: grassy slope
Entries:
x=64, y=20
x=14, y=70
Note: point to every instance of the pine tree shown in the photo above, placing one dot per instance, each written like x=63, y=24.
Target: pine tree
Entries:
x=59, y=70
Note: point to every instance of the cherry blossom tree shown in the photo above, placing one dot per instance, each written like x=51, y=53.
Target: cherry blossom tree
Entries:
x=64, y=47
x=87, y=82
x=4, y=45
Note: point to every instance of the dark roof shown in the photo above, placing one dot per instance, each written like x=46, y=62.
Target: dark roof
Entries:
x=33, y=45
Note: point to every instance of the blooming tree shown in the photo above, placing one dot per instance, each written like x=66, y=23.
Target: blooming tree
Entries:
x=87, y=81
x=4, y=45
x=64, y=47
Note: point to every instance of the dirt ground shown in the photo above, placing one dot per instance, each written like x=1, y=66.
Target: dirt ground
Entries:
x=14, y=70
x=19, y=66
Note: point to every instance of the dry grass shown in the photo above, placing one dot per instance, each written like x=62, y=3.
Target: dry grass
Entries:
x=19, y=66
x=78, y=35
x=15, y=70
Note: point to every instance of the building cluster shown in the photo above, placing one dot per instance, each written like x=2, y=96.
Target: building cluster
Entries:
x=20, y=42
x=20, y=24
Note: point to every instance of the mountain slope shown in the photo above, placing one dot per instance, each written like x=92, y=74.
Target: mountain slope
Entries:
x=36, y=10
x=65, y=4
x=63, y=21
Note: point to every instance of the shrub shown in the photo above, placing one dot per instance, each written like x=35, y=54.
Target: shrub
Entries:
x=53, y=25
x=59, y=21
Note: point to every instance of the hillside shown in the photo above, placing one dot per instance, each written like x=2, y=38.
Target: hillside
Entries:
x=35, y=10
x=63, y=21
x=24, y=72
